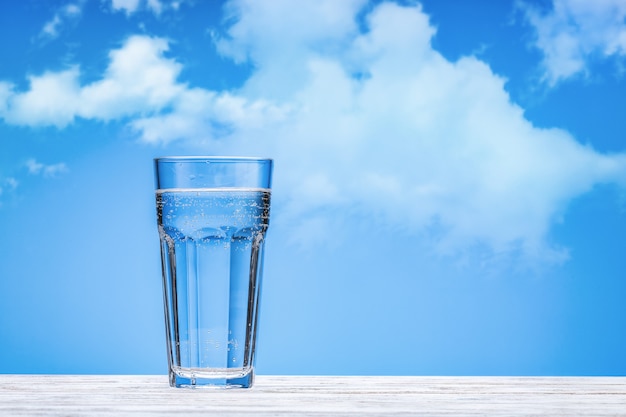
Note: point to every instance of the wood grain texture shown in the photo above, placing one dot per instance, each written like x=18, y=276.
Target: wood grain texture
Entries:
x=121, y=395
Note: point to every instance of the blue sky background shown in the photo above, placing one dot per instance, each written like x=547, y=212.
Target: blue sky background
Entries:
x=449, y=194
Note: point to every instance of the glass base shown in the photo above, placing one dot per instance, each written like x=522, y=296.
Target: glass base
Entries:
x=213, y=379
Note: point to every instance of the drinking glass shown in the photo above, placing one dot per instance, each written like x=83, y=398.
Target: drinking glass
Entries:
x=212, y=215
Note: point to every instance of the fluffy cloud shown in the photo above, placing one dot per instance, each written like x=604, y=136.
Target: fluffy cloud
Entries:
x=574, y=32
x=364, y=118
x=8, y=184
x=66, y=13
x=51, y=100
x=138, y=80
x=128, y=6
x=155, y=6
x=47, y=171
x=381, y=122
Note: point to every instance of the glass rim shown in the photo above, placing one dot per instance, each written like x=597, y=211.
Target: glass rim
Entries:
x=203, y=158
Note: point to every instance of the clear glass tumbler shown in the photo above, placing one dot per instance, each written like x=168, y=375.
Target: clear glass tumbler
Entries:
x=212, y=213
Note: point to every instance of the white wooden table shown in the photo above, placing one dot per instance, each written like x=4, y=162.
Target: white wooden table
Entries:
x=126, y=395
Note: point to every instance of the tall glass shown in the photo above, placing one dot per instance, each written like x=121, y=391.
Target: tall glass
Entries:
x=212, y=215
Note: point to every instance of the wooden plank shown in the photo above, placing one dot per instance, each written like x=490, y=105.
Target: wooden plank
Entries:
x=134, y=395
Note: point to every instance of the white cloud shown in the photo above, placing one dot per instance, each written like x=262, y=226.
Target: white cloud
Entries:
x=70, y=11
x=574, y=32
x=128, y=6
x=371, y=122
x=7, y=185
x=138, y=80
x=335, y=22
x=50, y=28
x=393, y=129
x=11, y=183
x=155, y=6
x=51, y=100
x=47, y=171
